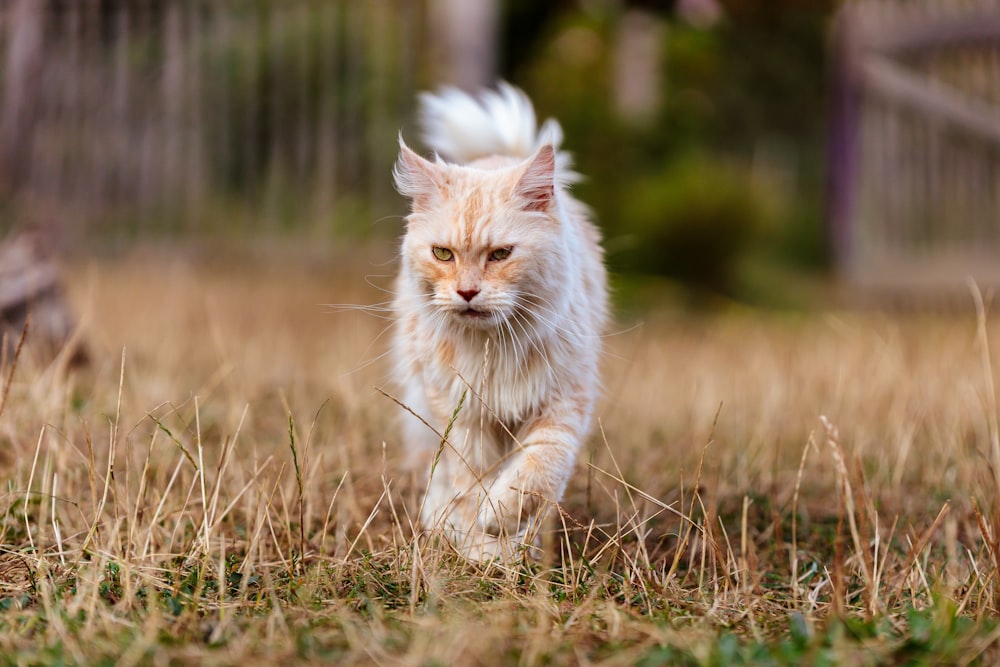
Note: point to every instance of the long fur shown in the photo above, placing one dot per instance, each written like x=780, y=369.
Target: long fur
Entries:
x=501, y=299
x=462, y=128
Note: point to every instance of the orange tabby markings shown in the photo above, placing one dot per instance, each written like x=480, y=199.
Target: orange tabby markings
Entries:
x=518, y=334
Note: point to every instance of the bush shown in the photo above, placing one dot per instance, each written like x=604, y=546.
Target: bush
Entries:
x=692, y=221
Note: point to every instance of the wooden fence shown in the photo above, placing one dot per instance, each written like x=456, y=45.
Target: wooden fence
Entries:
x=915, y=150
x=179, y=114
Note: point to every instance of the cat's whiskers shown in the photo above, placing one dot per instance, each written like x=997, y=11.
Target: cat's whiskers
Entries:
x=540, y=302
x=366, y=363
x=540, y=349
x=504, y=356
x=537, y=305
x=515, y=348
x=377, y=307
x=393, y=321
x=521, y=354
x=368, y=280
x=532, y=310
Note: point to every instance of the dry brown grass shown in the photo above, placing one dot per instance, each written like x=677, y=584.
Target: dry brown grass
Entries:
x=221, y=485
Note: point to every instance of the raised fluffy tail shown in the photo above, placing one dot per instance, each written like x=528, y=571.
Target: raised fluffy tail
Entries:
x=462, y=128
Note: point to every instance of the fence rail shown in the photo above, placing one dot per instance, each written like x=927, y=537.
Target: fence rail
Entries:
x=917, y=143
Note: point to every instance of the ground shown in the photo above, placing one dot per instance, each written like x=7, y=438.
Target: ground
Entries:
x=222, y=483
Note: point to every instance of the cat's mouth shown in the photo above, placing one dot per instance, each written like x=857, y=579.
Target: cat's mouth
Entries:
x=476, y=318
x=474, y=314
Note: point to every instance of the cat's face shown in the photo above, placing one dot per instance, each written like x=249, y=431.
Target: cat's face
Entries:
x=483, y=244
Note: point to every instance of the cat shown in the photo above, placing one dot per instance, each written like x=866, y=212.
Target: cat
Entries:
x=501, y=300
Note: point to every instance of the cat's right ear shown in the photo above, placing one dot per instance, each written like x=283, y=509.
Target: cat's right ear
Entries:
x=416, y=178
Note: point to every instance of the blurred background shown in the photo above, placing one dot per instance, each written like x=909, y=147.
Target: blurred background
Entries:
x=756, y=150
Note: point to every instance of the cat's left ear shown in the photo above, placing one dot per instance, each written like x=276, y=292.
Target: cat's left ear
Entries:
x=536, y=188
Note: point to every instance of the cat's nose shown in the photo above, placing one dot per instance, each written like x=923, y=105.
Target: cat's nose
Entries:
x=467, y=294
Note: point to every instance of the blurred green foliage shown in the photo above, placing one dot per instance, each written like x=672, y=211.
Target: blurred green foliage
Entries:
x=689, y=221
x=727, y=170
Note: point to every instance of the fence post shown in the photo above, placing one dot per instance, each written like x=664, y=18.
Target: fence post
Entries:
x=842, y=138
x=22, y=63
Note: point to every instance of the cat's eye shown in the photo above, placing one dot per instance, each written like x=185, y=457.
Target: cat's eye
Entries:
x=500, y=254
x=443, y=254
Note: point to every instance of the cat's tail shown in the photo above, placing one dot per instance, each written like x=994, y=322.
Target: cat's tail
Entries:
x=462, y=128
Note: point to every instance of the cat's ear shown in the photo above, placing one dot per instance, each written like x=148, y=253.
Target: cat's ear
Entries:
x=416, y=178
x=536, y=187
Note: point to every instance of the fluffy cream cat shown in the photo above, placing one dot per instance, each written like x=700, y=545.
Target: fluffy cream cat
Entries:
x=501, y=300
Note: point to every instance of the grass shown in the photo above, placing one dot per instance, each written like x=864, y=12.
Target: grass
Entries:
x=222, y=484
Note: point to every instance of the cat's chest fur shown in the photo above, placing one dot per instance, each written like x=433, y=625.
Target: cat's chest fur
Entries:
x=514, y=378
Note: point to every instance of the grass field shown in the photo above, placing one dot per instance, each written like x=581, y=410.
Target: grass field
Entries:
x=221, y=484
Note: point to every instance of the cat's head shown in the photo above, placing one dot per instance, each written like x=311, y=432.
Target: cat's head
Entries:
x=483, y=241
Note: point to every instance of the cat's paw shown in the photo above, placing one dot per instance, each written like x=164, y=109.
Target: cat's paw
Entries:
x=469, y=539
x=507, y=511
x=483, y=548
x=513, y=501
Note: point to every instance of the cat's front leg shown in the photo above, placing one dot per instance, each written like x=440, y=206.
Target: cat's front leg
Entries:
x=449, y=499
x=534, y=476
x=455, y=488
